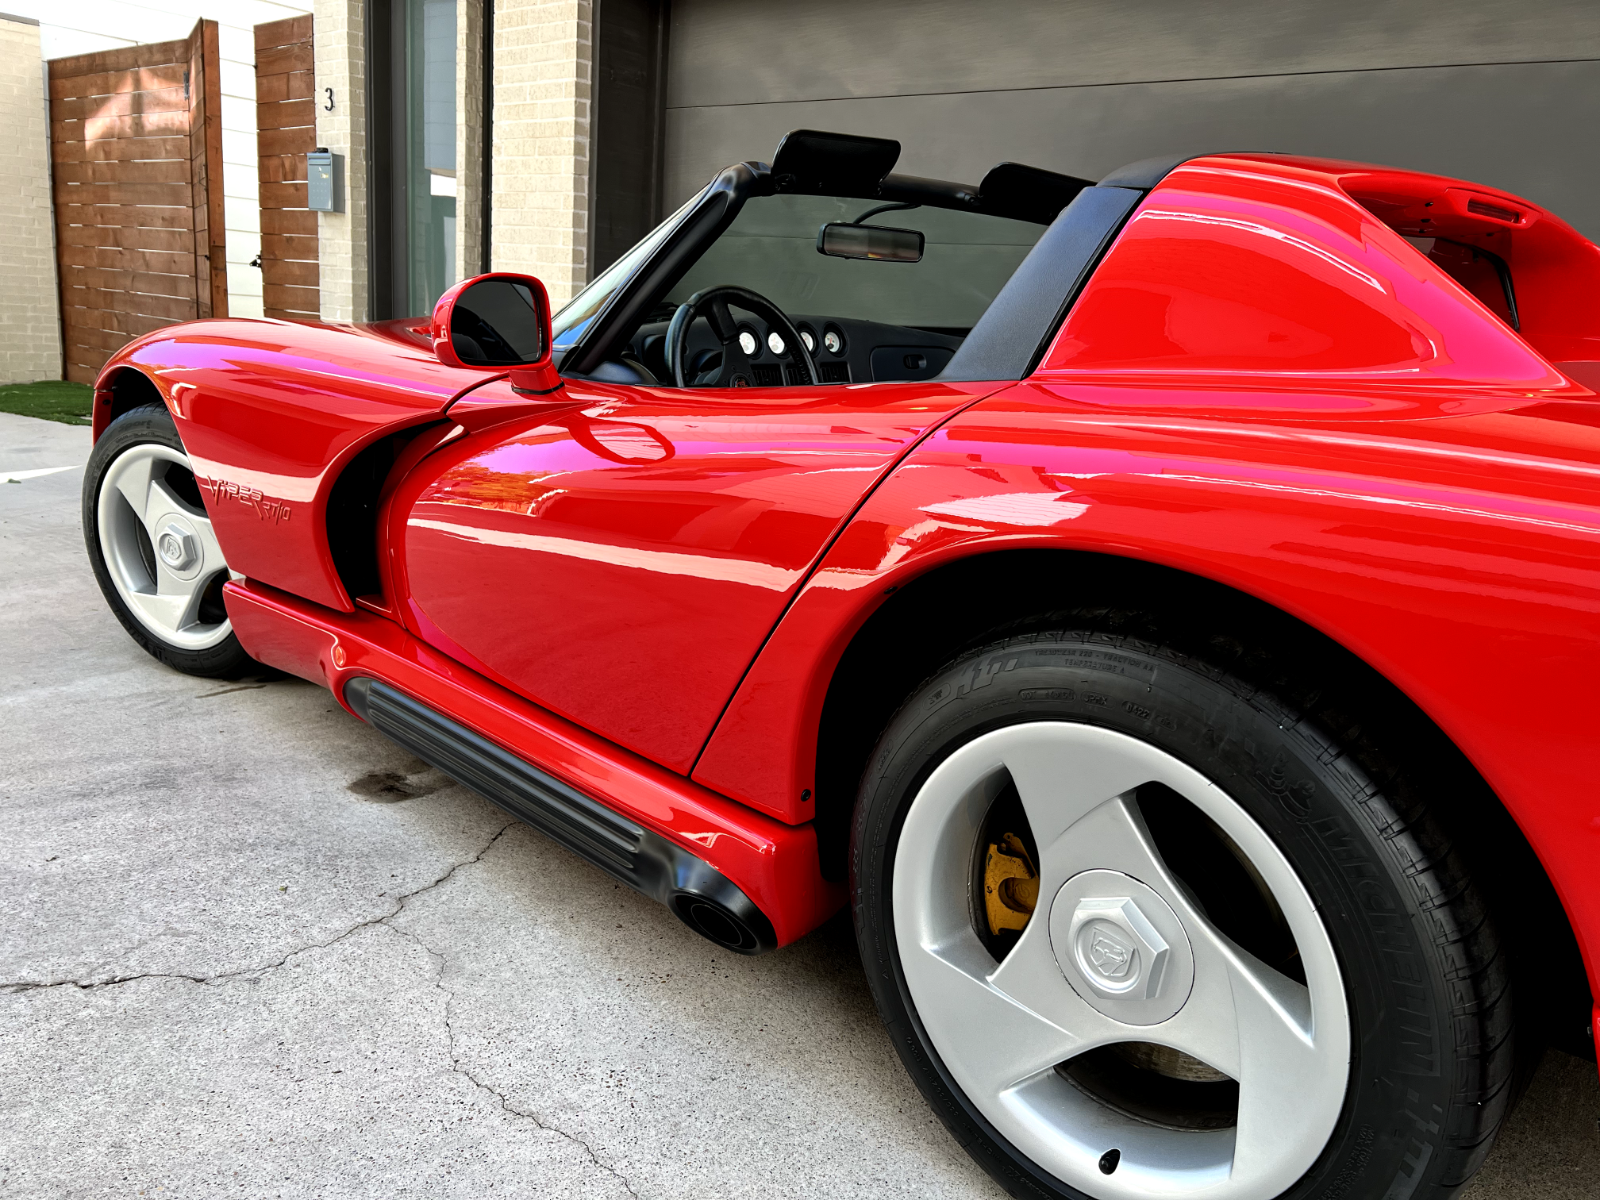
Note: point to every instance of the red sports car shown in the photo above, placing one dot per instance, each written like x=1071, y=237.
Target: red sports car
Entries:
x=1166, y=609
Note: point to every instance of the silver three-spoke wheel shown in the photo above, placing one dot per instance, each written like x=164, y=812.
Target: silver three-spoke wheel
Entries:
x=1116, y=960
x=159, y=548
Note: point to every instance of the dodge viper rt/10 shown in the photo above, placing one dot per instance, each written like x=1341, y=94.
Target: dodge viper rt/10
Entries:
x=1166, y=610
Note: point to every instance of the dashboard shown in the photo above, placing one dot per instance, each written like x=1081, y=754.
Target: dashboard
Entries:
x=845, y=350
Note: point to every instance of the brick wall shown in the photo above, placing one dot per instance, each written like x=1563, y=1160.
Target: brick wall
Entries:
x=29, y=303
x=540, y=173
x=342, y=237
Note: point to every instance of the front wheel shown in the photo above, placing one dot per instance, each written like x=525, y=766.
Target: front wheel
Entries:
x=1137, y=930
x=152, y=547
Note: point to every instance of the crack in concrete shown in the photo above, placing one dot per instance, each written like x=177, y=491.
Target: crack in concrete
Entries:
x=399, y=907
x=385, y=920
x=459, y=1068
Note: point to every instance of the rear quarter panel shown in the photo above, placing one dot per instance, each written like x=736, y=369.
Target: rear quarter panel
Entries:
x=1458, y=556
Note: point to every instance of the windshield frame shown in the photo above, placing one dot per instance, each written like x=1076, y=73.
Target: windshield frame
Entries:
x=658, y=267
x=589, y=305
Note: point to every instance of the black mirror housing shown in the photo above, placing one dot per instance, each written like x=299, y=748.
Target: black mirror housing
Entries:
x=875, y=243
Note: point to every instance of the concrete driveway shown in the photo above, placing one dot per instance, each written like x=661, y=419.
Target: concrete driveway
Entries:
x=252, y=949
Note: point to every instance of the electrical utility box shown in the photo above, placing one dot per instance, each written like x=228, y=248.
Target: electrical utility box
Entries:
x=324, y=181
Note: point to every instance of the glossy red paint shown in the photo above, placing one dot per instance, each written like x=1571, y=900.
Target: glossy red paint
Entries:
x=774, y=864
x=1412, y=479
x=618, y=556
x=1264, y=384
x=537, y=376
x=1240, y=274
x=270, y=411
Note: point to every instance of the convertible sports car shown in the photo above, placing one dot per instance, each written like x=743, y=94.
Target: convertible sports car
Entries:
x=1166, y=609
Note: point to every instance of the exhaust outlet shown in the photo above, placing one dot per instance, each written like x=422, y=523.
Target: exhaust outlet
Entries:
x=715, y=923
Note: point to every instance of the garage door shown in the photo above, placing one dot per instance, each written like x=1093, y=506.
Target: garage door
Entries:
x=1464, y=89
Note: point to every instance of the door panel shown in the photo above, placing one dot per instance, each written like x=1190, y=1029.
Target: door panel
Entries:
x=620, y=560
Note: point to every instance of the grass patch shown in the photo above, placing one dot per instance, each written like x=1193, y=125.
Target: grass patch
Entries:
x=51, y=399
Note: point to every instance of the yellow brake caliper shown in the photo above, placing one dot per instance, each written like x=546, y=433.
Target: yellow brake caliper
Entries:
x=1010, y=884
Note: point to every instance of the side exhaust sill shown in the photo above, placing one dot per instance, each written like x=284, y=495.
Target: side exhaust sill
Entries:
x=698, y=894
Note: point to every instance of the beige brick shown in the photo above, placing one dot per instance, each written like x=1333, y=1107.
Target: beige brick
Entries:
x=342, y=237
x=29, y=305
x=543, y=53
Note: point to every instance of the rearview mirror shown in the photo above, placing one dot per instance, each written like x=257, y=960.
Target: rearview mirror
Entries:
x=876, y=242
x=496, y=320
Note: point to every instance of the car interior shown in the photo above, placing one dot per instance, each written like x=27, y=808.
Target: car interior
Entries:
x=822, y=268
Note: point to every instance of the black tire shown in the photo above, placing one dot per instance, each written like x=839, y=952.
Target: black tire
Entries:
x=147, y=425
x=1427, y=989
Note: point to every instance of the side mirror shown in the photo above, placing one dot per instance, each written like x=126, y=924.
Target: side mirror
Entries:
x=497, y=320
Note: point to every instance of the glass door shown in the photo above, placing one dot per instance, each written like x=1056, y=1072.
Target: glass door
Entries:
x=413, y=63
x=431, y=150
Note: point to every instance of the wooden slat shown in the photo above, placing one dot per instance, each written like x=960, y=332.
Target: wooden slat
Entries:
x=120, y=149
x=301, y=222
x=272, y=89
x=162, y=262
x=292, y=85
x=284, y=314
x=144, y=283
x=283, y=195
x=292, y=273
x=174, y=241
x=162, y=170
x=282, y=168
x=121, y=104
x=125, y=216
x=169, y=308
x=290, y=248
x=110, y=83
x=139, y=125
x=211, y=270
x=95, y=339
x=157, y=194
x=285, y=131
x=283, y=59
x=121, y=59
x=295, y=299
x=128, y=324
x=285, y=141
x=287, y=114
x=271, y=34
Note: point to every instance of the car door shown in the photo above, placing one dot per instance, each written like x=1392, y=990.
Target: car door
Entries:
x=618, y=554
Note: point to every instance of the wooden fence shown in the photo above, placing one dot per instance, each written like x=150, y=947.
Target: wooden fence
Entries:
x=136, y=140
x=286, y=128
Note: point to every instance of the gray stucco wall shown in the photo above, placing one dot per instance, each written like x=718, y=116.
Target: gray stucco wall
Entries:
x=1503, y=94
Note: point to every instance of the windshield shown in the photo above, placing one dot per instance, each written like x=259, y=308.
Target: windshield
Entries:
x=771, y=248
x=568, y=324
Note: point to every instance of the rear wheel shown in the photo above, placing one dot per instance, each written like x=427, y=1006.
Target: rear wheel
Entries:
x=152, y=546
x=1138, y=930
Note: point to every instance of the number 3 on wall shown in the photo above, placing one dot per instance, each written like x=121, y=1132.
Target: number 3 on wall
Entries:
x=328, y=107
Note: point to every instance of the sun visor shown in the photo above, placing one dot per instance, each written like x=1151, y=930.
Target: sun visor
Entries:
x=832, y=164
x=1026, y=193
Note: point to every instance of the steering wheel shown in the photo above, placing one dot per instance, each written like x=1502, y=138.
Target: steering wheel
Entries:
x=713, y=305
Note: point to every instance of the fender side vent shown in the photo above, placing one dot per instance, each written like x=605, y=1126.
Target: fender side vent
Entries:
x=353, y=517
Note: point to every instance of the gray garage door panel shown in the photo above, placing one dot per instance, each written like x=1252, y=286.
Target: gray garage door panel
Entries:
x=739, y=52
x=1527, y=128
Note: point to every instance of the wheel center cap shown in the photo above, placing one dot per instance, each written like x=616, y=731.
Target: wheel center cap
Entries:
x=1121, y=947
x=177, y=547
